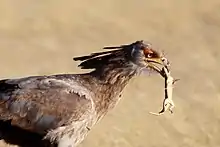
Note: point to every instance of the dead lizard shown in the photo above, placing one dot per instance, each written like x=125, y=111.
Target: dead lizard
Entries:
x=168, y=103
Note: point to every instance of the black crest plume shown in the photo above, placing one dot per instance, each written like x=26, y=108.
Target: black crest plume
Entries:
x=117, y=54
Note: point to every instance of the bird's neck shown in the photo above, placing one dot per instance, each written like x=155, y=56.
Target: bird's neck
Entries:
x=107, y=84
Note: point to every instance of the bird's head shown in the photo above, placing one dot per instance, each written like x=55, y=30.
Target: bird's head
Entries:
x=145, y=57
x=139, y=54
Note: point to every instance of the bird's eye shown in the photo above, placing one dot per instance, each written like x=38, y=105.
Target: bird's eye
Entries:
x=149, y=55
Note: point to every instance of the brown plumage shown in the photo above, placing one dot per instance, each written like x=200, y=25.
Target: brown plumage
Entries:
x=61, y=109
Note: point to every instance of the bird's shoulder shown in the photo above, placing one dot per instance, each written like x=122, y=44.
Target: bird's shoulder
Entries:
x=43, y=102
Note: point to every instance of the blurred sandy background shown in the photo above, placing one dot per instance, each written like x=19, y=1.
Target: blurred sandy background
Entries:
x=41, y=37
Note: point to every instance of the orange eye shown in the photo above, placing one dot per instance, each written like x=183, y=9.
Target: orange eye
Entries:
x=148, y=53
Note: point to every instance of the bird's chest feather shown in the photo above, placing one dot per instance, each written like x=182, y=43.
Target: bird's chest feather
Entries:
x=75, y=132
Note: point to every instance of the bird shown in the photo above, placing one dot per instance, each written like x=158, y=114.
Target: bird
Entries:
x=60, y=110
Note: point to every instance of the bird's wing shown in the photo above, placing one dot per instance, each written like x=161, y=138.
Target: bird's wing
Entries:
x=42, y=103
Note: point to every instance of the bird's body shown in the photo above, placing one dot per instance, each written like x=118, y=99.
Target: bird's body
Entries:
x=42, y=104
x=63, y=108
x=60, y=104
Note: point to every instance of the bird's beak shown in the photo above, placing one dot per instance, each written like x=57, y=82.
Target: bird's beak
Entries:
x=155, y=63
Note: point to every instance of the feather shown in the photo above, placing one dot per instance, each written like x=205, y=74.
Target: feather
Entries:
x=31, y=103
x=124, y=46
x=88, y=57
x=100, y=59
x=18, y=136
x=81, y=58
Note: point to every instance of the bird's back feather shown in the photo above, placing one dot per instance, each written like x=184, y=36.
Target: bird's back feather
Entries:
x=41, y=103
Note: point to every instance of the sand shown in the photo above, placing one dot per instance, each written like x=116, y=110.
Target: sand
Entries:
x=41, y=37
